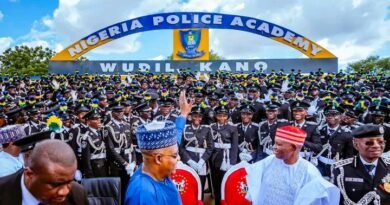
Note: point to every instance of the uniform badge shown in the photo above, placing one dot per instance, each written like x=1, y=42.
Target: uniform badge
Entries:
x=386, y=183
x=83, y=144
x=381, y=130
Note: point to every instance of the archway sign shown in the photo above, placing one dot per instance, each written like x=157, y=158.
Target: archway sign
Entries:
x=318, y=57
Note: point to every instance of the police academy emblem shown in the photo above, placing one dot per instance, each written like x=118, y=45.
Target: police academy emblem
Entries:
x=190, y=40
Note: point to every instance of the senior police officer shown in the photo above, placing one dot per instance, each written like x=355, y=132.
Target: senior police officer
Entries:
x=365, y=178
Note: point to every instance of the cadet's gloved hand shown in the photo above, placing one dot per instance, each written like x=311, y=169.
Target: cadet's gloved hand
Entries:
x=245, y=156
x=193, y=164
x=78, y=176
x=201, y=162
x=130, y=168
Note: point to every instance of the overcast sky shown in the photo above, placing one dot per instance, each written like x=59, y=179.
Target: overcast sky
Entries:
x=351, y=29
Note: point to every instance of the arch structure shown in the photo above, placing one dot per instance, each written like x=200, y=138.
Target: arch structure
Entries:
x=188, y=20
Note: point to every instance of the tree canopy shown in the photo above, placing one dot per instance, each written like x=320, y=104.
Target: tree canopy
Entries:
x=372, y=64
x=24, y=60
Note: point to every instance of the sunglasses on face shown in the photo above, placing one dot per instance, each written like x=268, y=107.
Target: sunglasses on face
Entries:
x=372, y=142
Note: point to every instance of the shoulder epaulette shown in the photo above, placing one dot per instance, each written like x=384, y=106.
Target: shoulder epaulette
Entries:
x=212, y=124
x=311, y=123
x=255, y=124
x=282, y=120
x=345, y=129
x=343, y=162
x=203, y=125
x=75, y=125
x=237, y=124
x=174, y=115
x=262, y=123
x=386, y=124
x=230, y=123
x=386, y=160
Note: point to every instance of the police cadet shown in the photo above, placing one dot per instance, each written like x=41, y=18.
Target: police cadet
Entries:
x=365, y=178
x=378, y=115
x=144, y=116
x=349, y=119
x=165, y=110
x=336, y=141
x=34, y=124
x=197, y=144
x=93, y=158
x=117, y=135
x=248, y=138
x=64, y=133
x=77, y=131
x=225, y=137
x=313, y=140
x=267, y=130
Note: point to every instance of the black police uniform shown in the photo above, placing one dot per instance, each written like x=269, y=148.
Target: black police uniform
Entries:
x=31, y=127
x=248, y=139
x=337, y=145
x=135, y=122
x=93, y=151
x=356, y=184
x=225, y=152
x=75, y=134
x=266, y=135
x=197, y=143
x=93, y=158
x=361, y=182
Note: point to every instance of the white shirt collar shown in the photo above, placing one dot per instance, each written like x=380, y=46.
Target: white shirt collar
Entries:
x=300, y=125
x=93, y=130
x=118, y=123
x=366, y=163
x=27, y=197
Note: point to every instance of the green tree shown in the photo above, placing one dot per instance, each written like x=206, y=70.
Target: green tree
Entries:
x=372, y=64
x=24, y=60
x=213, y=56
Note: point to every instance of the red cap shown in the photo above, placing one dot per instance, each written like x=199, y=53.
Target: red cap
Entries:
x=291, y=134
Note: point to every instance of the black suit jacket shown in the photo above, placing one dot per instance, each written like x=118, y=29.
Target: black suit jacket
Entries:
x=11, y=191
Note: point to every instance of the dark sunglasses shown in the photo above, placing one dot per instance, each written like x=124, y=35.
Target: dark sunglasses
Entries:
x=371, y=143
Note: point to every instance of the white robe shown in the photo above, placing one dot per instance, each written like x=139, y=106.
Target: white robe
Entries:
x=271, y=181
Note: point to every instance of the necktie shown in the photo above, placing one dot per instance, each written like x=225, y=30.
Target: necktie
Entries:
x=369, y=168
x=331, y=131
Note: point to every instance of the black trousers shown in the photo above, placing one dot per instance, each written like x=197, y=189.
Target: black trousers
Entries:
x=99, y=168
x=216, y=177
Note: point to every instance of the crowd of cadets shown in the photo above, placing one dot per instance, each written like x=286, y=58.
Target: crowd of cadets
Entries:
x=234, y=117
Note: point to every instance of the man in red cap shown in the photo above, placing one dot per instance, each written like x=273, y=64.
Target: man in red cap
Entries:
x=287, y=178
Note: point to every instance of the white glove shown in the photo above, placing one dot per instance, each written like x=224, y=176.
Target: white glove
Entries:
x=193, y=164
x=201, y=162
x=202, y=169
x=245, y=156
x=130, y=168
x=78, y=176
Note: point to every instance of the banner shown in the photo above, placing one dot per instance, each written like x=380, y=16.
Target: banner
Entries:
x=193, y=20
x=236, y=66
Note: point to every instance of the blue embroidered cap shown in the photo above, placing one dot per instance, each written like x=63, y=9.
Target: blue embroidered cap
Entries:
x=156, y=135
x=11, y=133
